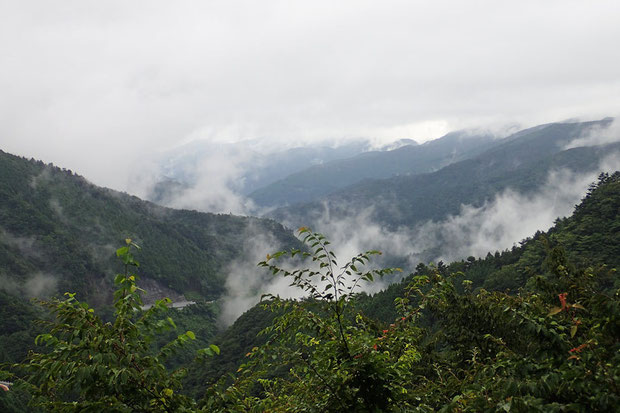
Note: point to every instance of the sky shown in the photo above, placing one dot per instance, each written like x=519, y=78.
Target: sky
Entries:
x=100, y=86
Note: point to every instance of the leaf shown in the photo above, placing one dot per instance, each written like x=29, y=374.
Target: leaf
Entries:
x=554, y=311
x=168, y=392
x=122, y=251
x=215, y=348
x=577, y=305
x=191, y=335
x=573, y=330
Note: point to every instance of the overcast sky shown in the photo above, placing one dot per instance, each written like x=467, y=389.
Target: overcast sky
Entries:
x=96, y=86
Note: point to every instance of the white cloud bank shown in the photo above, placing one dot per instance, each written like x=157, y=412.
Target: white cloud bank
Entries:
x=97, y=86
x=498, y=224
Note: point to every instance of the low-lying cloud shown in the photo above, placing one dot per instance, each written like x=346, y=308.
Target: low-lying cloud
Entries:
x=598, y=135
x=500, y=223
x=246, y=282
x=39, y=285
x=508, y=218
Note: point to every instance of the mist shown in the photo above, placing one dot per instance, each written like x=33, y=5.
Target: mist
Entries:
x=498, y=224
x=598, y=135
x=123, y=81
x=508, y=218
x=246, y=282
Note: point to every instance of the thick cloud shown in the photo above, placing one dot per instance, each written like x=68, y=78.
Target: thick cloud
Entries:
x=96, y=86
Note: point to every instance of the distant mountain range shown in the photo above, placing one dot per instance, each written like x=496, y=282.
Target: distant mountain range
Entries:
x=249, y=166
x=467, y=174
x=330, y=177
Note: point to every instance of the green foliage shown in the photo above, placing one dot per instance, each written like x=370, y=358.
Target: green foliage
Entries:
x=548, y=342
x=329, y=351
x=553, y=348
x=109, y=366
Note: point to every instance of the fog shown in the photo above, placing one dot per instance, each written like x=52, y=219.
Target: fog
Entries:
x=102, y=87
x=109, y=89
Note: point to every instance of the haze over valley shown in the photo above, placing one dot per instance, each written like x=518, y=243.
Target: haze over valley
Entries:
x=323, y=206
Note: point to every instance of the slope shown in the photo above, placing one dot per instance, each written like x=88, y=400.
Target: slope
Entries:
x=590, y=237
x=521, y=162
x=321, y=180
x=59, y=233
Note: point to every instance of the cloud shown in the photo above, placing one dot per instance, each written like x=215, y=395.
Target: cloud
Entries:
x=598, y=135
x=246, y=282
x=40, y=285
x=500, y=223
x=508, y=218
x=214, y=182
x=98, y=86
x=25, y=245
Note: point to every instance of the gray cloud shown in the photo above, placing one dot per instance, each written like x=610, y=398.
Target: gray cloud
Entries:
x=96, y=86
x=214, y=183
x=38, y=285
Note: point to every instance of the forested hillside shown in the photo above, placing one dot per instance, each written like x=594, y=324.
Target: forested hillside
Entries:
x=588, y=238
x=58, y=233
x=56, y=223
x=521, y=162
x=534, y=328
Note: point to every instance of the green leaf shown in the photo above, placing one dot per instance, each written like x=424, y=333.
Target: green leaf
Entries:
x=554, y=311
x=573, y=330
x=122, y=251
x=191, y=335
x=215, y=348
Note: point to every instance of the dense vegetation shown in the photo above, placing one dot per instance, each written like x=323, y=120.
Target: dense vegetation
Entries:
x=58, y=233
x=536, y=328
x=56, y=222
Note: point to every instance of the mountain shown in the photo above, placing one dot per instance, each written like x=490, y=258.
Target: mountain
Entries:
x=320, y=180
x=248, y=166
x=588, y=239
x=59, y=233
x=521, y=162
x=55, y=223
x=534, y=328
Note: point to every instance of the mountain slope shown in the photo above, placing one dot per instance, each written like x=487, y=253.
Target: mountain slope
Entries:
x=589, y=237
x=521, y=162
x=57, y=228
x=247, y=166
x=321, y=180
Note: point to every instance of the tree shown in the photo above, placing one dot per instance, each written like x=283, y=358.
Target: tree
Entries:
x=96, y=366
x=330, y=352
